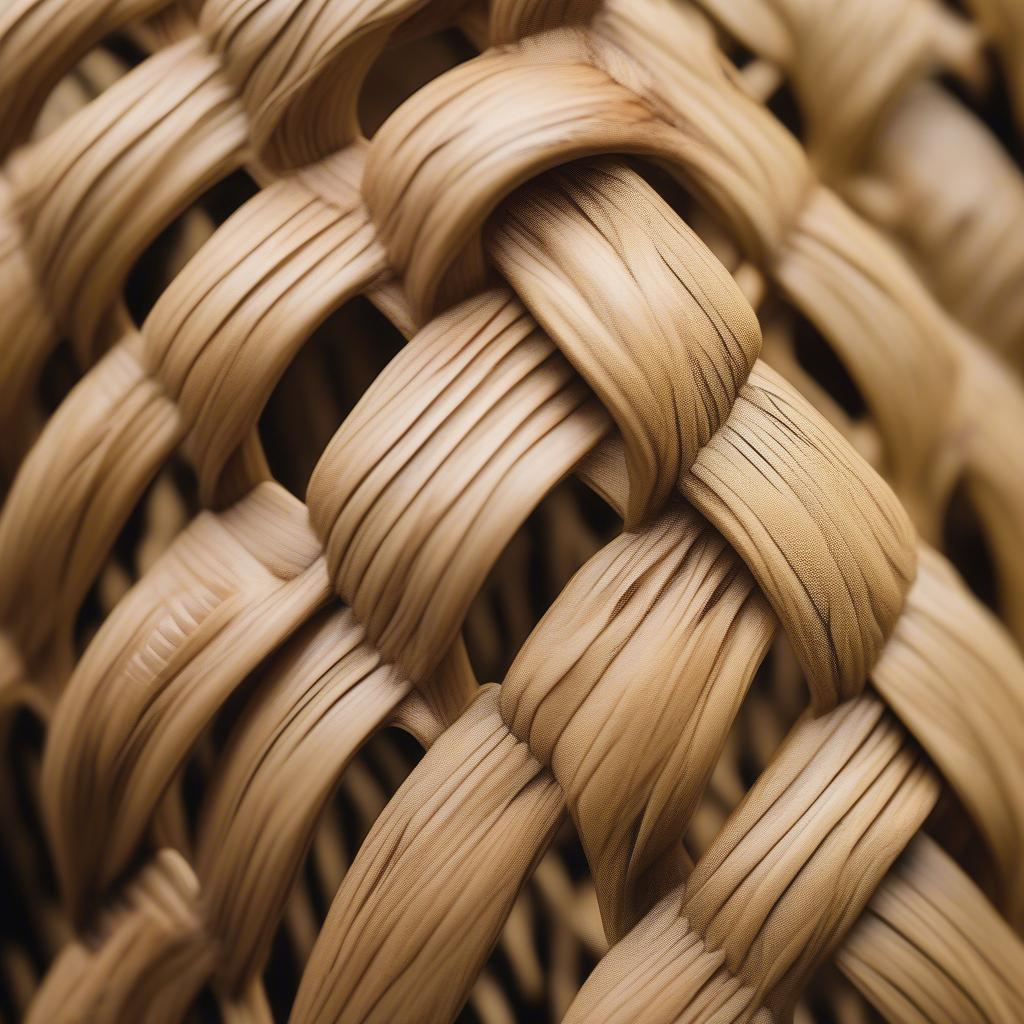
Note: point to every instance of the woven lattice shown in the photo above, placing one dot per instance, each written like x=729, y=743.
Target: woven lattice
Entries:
x=654, y=357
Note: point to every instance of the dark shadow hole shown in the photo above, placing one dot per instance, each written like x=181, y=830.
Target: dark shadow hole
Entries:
x=992, y=106
x=404, y=69
x=320, y=388
x=123, y=563
x=785, y=106
x=565, y=529
x=819, y=360
x=965, y=545
x=382, y=765
x=180, y=240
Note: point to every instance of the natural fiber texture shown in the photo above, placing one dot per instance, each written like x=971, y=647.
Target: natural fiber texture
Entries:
x=764, y=731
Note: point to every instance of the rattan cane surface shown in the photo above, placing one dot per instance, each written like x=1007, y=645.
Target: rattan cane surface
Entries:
x=714, y=731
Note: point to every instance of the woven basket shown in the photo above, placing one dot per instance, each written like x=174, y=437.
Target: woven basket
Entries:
x=475, y=478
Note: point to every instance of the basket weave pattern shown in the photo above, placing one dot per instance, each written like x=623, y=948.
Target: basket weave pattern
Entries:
x=561, y=318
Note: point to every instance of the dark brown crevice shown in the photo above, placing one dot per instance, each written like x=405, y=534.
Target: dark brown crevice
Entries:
x=991, y=105
x=162, y=259
x=820, y=361
x=385, y=761
x=403, y=69
x=785, y=105
x=569, y=526
x=965, y=545
x=321, y=386
x=124, y=557
x=19, y=895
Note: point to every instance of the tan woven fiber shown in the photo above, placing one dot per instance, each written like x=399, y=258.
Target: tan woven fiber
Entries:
x=603, y=251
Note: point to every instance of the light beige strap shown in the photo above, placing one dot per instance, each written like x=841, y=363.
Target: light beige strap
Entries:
x=929, y=947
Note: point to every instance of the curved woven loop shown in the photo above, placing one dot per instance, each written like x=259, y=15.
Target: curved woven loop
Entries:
x=940, y=182
x=230, y=323
x=994, y=474
x=300, y=67
x=148, y=962
x=771, y=480
x=741, y=161
x=823, y=258
x=63, y=262
x=834, y=267
x=655, y=325
x=449, y=916
x=213, y=335
x=70, y=499
x=158, y=670
x=840, y=273
x=838, y=587
x=747, y=167
x=957, y=681
x=846, y=61
x=28, y=337
x=321, y=697
x=627, y=690
x=929, y=921
x=943, y=184
x=446, y=454
x=456, y=148
x=123, y=154
x=513, y=19
x=40, y=40
x=779, y=888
